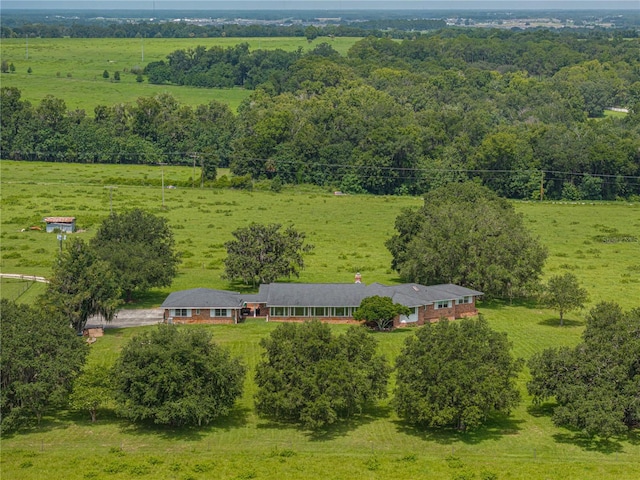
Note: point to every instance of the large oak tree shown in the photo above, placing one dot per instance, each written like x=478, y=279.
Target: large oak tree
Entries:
x=82, y=285
x=263, y=253
x=39, y=358
x=176, y=377
x=140, y=248
x=311, y=377
x=596, y=384
x=455, y=374
x=467, y=235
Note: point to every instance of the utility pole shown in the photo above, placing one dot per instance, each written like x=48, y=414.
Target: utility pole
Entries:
x=60, y=239
x=541, y=185
x=162, y=186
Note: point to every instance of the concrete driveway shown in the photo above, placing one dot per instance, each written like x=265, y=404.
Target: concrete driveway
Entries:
x=129, y=318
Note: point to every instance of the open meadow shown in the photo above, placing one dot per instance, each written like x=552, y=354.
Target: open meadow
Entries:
x=72, y=68
x=598, y=242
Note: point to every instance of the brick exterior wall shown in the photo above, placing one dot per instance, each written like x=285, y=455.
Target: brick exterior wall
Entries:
x=430, y=314
x=425, y=314
x=204, y=317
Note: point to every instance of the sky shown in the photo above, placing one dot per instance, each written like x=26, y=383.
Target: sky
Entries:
x=322, y=4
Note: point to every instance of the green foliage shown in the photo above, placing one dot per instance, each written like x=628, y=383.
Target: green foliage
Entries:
x=594, y=384
x=140, y=247
x=116, y=76
x=176, y=377
x=262, y=253
x=105, y=74
x=39, y=358
x=380, y=311
x=564, y=293
x=91, y=389
x=455, y=374
x=465, y=234
x=311, y=377
x=82, y=285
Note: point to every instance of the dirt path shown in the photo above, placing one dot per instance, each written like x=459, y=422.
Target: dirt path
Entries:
x=129, y=318
x=20, y=276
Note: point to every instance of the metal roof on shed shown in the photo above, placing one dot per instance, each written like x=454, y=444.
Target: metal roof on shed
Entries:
x=60, y=219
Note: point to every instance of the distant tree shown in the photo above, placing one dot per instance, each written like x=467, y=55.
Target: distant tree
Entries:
x=595, y=384
x=310, y=377
x=455, y=374
x=262, y=253
x=12, y=68
x=564, y=293
x=105, y=74
x=91, y=390
x=82, y=285
x=139, y=78
x=176, y=377
x=4, y=66
x=39, y=358
x=116, y=76
x=140, y=248
x=311, y=33
x=29, y=70
x=380, y=311
x=465, y=234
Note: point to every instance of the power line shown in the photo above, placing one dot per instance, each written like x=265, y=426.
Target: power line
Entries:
x=189, y=159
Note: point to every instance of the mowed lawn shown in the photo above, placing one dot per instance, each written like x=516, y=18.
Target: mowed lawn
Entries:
x=72, y=68
x=594, y=241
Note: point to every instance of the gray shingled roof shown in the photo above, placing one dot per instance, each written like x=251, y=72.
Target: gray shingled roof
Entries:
x=317, y=295
x=351, y=294
x=203, y=298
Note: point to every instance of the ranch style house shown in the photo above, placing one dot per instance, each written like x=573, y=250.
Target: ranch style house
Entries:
x=327, y=302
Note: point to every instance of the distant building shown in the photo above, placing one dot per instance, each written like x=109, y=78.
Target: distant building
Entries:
x=63, y=224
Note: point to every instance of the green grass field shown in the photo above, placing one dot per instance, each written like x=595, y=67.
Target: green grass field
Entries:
x=71, y=68
x=349, y=234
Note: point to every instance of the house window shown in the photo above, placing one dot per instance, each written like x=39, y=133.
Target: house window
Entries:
x=221, y=312
x=299, y=311
x=180, y=312
x=319, y=311
x=279, y=311
x=442, y=304
x=463, y=300
x=341, y=311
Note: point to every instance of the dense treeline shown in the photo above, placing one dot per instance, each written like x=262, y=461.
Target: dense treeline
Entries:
x=518, y=111
x=394, y=29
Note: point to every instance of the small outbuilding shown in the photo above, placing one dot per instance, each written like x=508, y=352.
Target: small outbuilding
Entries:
x=63, y=224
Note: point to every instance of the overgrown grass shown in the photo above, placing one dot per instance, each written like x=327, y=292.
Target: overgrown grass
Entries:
x=349, y=234
x=599, y=242
x=71, y=68
x=374, y=445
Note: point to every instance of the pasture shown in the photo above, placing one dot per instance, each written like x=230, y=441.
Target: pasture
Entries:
x=594, y=241
x=72, y=68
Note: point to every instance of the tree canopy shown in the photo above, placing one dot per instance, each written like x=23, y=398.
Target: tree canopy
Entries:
x=311, y=377
x=39, y=358
x=379, y=311
x=564, y=293
x=465, y=234
x=509, y=109
x=140, y=248
x=82, y=285
x=263, y=253
x=596, y=383
x=455, y=374
x=176, y=377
